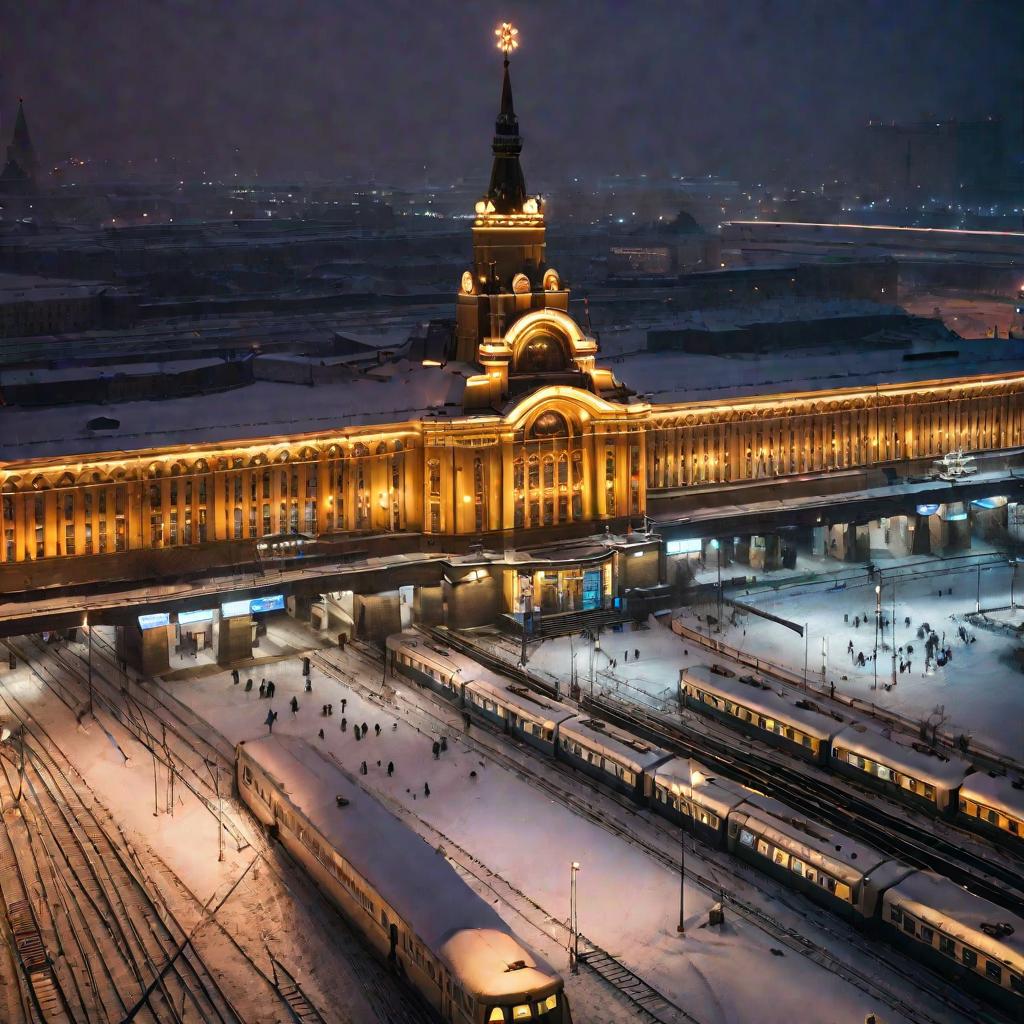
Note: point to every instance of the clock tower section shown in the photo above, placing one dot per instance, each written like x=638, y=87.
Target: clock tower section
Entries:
x=509, y=276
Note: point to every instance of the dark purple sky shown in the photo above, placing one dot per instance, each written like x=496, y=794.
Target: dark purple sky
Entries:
x=323, y=87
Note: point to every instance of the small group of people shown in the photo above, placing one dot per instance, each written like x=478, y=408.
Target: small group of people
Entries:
x=364, y=770
x=439, y=747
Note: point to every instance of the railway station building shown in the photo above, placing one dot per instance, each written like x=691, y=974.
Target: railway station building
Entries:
x=526, y=470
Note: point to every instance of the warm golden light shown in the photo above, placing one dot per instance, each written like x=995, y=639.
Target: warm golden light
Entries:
x=507, y=40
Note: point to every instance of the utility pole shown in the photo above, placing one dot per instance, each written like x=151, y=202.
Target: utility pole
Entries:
x=214, y=769
x=574, y=927
x=894, y=631
x=88, y=629
x=977, y=606
x=878, y=622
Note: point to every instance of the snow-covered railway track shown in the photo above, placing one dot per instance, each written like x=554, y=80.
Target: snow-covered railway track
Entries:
x=890, y=962
x=132, y=960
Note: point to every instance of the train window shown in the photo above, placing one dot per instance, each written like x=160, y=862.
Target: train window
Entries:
x=929, y=791
x=521, y=1012
x=993, y=971
x=895, y=914
x=797, y=866
x=1013, y=826
x=993, y=817
x=843, y=891
x=856, y=760
x=811, y=875
x=1017, y=984
x=908, y=924
x=969, y=957
x=927, y=935
x=883, y=772
x=746, y=838
x=497, y=1013
x=762, y=848
x=781, y=858
x=549, y=1004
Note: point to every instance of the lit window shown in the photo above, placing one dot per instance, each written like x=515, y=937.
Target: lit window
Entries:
x=521, y=1012
x=497, y=1014
x=550, y=1003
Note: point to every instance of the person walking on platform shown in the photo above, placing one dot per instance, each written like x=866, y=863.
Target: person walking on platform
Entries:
x=295, y=705
x=376, y=728
x=391, y=768
x=234, y=675
x=269, y=721
x=248, y=686
x=436, y=749
x=263, y=689
x=271, y=688
x=426, y=789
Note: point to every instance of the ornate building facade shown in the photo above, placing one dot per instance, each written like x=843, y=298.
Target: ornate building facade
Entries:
x=548, y=445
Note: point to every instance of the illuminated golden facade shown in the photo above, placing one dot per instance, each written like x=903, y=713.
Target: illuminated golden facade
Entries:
x=550, y=444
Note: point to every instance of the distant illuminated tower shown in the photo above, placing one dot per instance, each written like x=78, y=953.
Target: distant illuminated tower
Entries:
x=19, y=173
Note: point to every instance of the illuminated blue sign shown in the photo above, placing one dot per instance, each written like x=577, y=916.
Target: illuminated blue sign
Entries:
x=201, y=615
x=153, y=620
x=273, y=603
x=927, y=510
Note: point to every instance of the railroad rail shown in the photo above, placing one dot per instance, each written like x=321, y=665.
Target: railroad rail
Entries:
x=567, y=793
x=859, y=817
x=647, y=999
x=132, y=958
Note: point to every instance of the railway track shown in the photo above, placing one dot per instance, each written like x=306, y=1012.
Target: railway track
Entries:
x=861, y=817
x=187, y=741
x=567, y=792
x=131, y=958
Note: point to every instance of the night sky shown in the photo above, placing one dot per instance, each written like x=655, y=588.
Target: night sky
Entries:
x=406, y=91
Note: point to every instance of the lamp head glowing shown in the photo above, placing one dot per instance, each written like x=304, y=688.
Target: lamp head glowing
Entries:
x=575, y=865
x=507, y=37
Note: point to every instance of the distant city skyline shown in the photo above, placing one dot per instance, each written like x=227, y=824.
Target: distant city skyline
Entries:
x=764, y=88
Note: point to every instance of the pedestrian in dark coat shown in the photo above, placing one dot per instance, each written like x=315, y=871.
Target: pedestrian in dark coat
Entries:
x=358, y=732
x=248, y=686
x=426, y=789
x=437, y=750
x=391, y=768
x=269, y=721
x=376, y=728
x=366, y=728
x=321, y=734
x=444, y=743
x=344, y=724
x=263, y=689
x=363, y=769
x=295, y=705
x=466, y=719
x=271, y=688
x=636, y=654
x=234, y=675
x=627, y=657
x=344, y=701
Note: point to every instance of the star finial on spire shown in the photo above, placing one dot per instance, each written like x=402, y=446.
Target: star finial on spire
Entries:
x=507, y=38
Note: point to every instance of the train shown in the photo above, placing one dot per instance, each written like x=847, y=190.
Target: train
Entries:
x=993, y=805
x=962, y=935
x=400, y=893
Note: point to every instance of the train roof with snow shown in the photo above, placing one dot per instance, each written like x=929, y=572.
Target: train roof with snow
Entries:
x=812, y=842
x=765, y=700
x=858, y=739
x=716, y=794
x=948, y=907
x=620, y=746
x=997, y=792
x=521, y=699
x=417, y=880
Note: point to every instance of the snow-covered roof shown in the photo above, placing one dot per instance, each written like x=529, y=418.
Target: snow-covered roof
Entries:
x=997, y=792
x=523, y=701
x=613, y=743
x=924, y=767
x=718, y=795
x=414, y=878
x=813, y=843
x=765, y=702
x=671, y=377
x=260, y=410
x=951, y=909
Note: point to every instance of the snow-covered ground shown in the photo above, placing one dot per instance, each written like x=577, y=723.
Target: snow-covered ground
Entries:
x=981, y=689
x=628, y=903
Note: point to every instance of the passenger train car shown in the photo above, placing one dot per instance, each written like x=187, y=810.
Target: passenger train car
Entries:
x=846, y=876
x=400, y=893
x=914, y=776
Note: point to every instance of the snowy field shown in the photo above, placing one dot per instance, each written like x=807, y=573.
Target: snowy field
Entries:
x=527, y=840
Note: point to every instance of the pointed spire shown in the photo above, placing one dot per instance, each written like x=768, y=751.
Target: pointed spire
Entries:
x=20, y=169
x=507, y=190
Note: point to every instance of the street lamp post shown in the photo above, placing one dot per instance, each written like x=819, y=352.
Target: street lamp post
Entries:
x=574, y=925
x=894, y=631
x=88, y=629
x=214, y=770
x=1013, y=577
x=977, y=603
x=677, y=790
x=716, y=546
x=878, y=623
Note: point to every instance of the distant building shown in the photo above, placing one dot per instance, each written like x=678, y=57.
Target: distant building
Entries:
x=933, y=160
x=19, y=175
x=664, y=249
